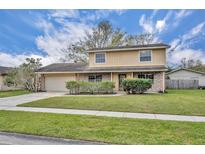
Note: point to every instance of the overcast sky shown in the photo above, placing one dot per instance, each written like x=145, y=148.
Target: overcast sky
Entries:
x=43, y=33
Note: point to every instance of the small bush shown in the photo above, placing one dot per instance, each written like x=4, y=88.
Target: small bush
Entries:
x=106, y=87
x=138, y=86
x=83, y=87
x=73, y=86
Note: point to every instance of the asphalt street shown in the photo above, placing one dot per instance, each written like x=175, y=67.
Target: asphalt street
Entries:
x=23, y=139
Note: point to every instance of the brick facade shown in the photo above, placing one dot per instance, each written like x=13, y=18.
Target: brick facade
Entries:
x=158, y=83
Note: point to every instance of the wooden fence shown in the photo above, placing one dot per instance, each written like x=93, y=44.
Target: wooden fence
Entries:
x=182, y=84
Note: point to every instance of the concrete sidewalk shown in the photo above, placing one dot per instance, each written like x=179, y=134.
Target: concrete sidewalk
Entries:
x=9, y=103
x=108, y=113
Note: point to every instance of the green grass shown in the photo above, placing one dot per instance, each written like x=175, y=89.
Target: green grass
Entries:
x=103, y=129
x=13, y=93
x=184, y=102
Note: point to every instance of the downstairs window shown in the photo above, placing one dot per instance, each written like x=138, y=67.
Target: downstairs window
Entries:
x=146, y=76
x=95, y=78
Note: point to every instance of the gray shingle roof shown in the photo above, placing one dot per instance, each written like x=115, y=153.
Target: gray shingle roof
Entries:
x=64, y=67
x=157, y=45
x=186, y=69
x=82, y=67
x=4, y=70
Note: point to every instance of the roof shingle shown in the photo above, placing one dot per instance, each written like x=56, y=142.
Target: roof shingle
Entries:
x=4, y=70
x=83, y=67
x=157, y=45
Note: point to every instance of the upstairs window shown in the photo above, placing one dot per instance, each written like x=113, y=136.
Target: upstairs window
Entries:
x=95, y=78
x=100, y=58
x=145, y=55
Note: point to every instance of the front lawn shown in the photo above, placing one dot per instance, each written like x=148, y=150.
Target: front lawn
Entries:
x=104, y=129
x=185, y=102
x=13, y=93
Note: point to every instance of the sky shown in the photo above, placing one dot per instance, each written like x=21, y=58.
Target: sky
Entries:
x=44, y=33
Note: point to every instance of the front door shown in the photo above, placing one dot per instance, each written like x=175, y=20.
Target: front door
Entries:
x=121, y=78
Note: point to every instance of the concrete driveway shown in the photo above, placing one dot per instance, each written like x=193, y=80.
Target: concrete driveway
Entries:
x=10, y=103
x=15, y=100
x=22, y=139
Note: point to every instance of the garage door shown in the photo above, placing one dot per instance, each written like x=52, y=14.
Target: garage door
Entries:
x=53, y=83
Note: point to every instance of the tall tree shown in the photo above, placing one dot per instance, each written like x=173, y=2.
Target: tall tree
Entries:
x=192, y=64
x=103, y=35
x=141, y=39
x=24, y=75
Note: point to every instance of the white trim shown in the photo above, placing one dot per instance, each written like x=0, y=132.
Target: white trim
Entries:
x=100, y=53
x=145, y=61
x=125, y=49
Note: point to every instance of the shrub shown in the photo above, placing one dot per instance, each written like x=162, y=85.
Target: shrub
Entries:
x=138, y=86
x=106, y=86
x=73, y=86
x=77, y=87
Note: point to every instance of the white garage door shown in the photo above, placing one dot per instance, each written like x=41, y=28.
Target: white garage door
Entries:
x=53, y=83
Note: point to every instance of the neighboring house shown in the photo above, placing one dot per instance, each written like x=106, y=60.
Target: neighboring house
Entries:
x=3, y=73
x=112, y=64
x=187, y=74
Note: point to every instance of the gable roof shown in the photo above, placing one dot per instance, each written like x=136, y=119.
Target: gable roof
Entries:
x=4, y=70
x=136, y=47
x=84, y=68
x=186, y=69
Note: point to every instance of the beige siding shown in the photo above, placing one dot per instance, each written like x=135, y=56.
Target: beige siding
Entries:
x=57, y=82
x=129, y=58
x=188, y=75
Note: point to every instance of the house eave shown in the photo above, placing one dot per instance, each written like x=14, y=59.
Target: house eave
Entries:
x=117, y=71
x=127, y=49
x=190, y=70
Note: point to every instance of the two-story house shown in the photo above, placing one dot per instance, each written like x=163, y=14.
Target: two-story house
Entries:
x=112, y=64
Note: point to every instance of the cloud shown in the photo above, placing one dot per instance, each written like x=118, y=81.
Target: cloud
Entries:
x=53, y=44
x=102, y=14
x=189, y=38
x=181, y=47
x=171, y=19
x=55, y=39
x=52, y=40
x=146, y=24
x=177, y=55
x=44, y=25
x=194, y=32
x=15, y=60
x=156, y=27
x=150, y=26
x=180, y=15
x=160, y=25
x=64, y=13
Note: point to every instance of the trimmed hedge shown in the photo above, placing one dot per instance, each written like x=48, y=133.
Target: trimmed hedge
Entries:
x=136, y=86
x=83, y=87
